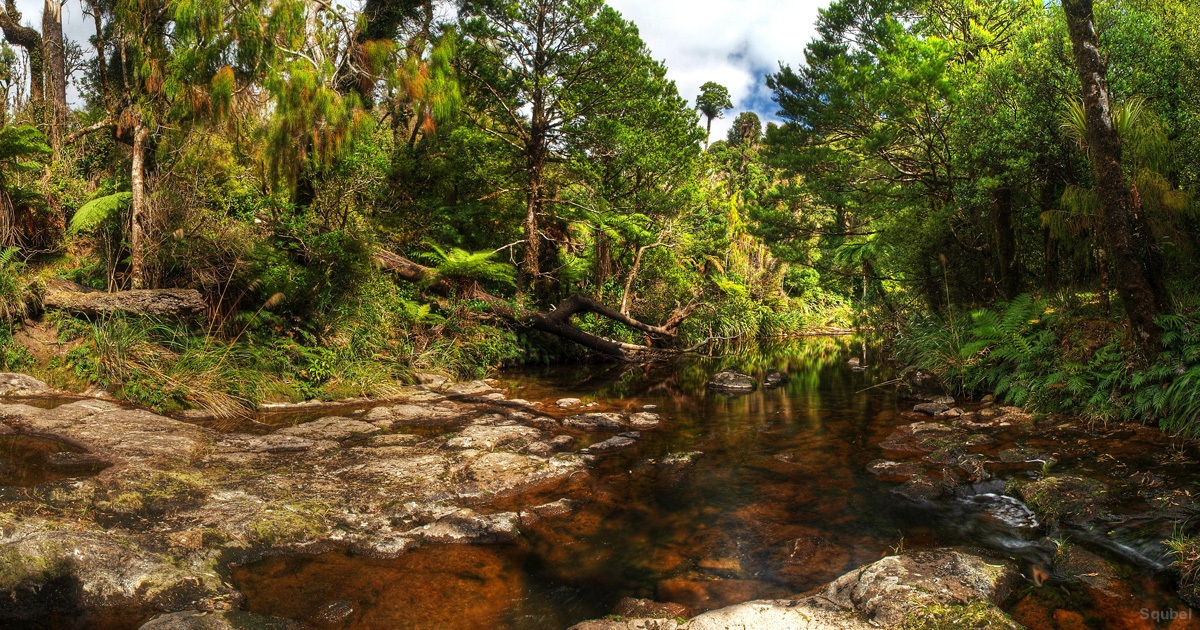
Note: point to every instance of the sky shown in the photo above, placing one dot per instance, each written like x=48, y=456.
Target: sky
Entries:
x=733, y=42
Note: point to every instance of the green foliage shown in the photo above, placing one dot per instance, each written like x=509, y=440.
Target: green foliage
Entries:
x=1028, y=354
x=101, y=212
x=459, y=265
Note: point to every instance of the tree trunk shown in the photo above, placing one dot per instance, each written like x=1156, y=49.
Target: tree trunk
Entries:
x=56, y=72
x=138, y=218
x=1006, y=243
x=557, y=321
x=1134, y=285
x=31, y=41
x=101, y=62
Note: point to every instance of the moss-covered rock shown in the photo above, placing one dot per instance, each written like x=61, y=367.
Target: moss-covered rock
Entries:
x=978, y=614
x=1066, y=499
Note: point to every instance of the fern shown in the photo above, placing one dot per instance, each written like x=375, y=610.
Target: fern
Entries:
x=98, y=212
x=12, y=296
x=460, y=265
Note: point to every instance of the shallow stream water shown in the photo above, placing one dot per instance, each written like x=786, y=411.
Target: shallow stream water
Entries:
x=736, y=498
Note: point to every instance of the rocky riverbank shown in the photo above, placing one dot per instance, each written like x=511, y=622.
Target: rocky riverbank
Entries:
x=176, y=505
x=142, y=517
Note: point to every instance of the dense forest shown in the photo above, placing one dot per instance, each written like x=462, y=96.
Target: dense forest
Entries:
x=1004, y=189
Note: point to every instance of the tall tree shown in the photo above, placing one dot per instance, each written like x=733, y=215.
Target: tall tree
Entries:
x=55, y=53
x=542, y=70
x=713, y=101
x=19, y=35
x=1133, y=254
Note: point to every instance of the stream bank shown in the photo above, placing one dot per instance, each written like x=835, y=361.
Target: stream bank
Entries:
x=602, y=492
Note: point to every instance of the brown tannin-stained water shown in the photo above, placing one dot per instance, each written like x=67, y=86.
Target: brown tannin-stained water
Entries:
x=734, y=498
x=27, y=460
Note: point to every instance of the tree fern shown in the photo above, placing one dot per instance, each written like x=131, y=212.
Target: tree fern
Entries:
x=99, y=212
x=460, y=265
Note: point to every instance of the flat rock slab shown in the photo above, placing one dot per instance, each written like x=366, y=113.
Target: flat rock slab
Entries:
x=931, y=408
x=440, y=413
x=595, y=422
x=332, y=428
x=109, y=429
x=489, y=438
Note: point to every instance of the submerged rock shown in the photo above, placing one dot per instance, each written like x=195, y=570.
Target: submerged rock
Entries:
x=731, y=382
x=218, y=620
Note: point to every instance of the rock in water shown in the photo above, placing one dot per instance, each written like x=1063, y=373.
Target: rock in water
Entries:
x=931, y=409
x=595, y=422
x=731, y=382
x=774, y=379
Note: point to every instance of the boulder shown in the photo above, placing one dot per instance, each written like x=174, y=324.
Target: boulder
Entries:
x=731, y=382
x=12, y=384
x=62, y=295
x=920, y=385
x=568, y=403
x=1066, y=499
x=942, y=582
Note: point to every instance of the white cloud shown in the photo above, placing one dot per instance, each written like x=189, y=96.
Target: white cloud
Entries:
x=735, y=43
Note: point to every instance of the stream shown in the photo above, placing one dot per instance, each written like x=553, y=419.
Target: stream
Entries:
x=736, y=498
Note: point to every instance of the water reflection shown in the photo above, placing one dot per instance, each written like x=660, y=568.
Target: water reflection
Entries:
x=737, y=498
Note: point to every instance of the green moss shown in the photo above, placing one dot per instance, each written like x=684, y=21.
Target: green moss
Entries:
x=977, y=614
x=288, y=524
x=18, y=569
x=1075, y=499
x=155, y=492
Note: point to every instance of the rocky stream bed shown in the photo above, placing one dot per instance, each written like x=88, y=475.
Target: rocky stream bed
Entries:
x=113, y=517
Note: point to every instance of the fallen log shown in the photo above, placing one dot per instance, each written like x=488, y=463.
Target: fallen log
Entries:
x=556, y=321
x=63, y=295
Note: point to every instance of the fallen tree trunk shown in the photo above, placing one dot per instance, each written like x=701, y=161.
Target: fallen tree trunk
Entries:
x=557, y=321
x=62, y=295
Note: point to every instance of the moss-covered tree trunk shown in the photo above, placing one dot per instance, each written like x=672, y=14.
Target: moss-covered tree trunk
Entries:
x=1123, y=233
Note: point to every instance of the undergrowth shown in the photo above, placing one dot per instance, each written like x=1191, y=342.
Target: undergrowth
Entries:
x=1030, y=353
